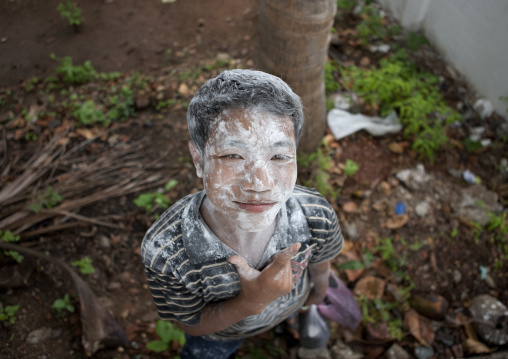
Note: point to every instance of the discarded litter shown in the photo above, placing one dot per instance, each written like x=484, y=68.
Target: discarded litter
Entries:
x=343, y=123
x=340, y=304
x=400, y=208
x=483, y=107
x=314, y=332
x=470, y=177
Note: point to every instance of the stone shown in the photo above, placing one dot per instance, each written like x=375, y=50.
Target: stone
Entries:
x=396, y=352
x=42, y=334
x=413, y=178
x=320, y=353
x=424, y=352
x=341, y=350
x=457, y=276
x=476, y=204
x=490, y=319
x=104, y=241
x=351, y=230
x=422, y=209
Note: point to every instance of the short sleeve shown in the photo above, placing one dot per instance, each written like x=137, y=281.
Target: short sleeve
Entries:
x=328, y=238
x=173, y=300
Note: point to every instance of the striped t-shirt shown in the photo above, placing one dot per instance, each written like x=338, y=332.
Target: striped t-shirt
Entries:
x=187, y=265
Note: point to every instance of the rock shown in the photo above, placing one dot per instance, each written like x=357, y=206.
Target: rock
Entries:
x=490, y=319
x=457, y=276
x=142, y=100
x=423, y=352
x=222, y=56
x=432, y=305
x=321, y=353
x=350, y=207
x=42, y=334
x=104, y=241
x=342, y=351
x=476, y=204
x=422, y=209
x=396, y=352
x=183, y=89
x=351, y=230
x=413, y=178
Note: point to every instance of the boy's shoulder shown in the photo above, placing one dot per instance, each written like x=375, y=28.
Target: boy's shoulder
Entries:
x=311, y=201
x=164, y=233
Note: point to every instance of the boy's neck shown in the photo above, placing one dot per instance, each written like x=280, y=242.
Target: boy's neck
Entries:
x=250, y=245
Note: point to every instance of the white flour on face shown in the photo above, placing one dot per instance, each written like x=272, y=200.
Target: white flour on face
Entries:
x=249, y=172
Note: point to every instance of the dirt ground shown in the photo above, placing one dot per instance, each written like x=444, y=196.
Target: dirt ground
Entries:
x=165, y=43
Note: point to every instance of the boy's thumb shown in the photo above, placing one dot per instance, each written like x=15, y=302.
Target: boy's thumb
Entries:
x=243, y=268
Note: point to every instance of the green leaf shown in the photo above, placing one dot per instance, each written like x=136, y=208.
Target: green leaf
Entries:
x=170, y=184
x=157, y=346
x=350, y=167
x=351, y=265
x=164, y=330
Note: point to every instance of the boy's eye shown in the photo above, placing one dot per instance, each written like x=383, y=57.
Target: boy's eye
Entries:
x=231, y=157
x=280, y=157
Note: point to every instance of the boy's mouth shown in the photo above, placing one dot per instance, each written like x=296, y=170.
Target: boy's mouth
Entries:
x=255, y=206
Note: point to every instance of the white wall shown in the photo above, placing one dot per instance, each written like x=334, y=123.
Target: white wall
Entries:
x=471, y=34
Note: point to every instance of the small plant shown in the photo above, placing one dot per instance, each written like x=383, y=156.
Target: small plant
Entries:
x=122, y=105
x=331, y=85
x=149, y=200
x=71, y=74
x=70, y=12
x=62, y=304
x=346, y=5
x=319, y=164
x=49, y=199
x=8, y=236
x=88, y=113
x=373, y=26
x=168, y=333
x=85, y=265
x=376, y=311
x=398, y=85
x=498, y=226
x=8, y=313
x=350, y=167
x=415, y=40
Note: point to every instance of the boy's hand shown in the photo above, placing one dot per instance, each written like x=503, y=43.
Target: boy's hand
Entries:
x=261, y=288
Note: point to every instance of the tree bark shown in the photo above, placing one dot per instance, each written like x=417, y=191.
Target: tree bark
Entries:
x=294, y=39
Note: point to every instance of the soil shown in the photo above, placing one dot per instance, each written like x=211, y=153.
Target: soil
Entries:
x=128, y=37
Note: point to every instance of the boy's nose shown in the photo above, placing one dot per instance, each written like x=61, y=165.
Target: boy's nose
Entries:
x=257, y=179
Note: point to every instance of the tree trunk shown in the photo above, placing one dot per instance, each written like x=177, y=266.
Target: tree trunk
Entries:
x=294, y=39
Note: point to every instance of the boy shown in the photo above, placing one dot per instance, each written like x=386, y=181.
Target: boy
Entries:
x=246, y=253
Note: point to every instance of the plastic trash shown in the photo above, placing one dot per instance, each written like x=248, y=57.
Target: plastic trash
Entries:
x=340, y=304
x=469, y=177
x=314, y=332
x=483, y=107
x=343, y=123
x=400, y=208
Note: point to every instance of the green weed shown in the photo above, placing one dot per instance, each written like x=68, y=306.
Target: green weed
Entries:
x=49, y=199
x=397, y=85
x=376, y=311
x=7, y=237
x=168, y=333
x=331, y=85
x=318, y=164
x=73, y=74
x=346, y=5
x=70, y=12
x=85, y=265
x=350, y=167
x=88, y=113
x=122, y=105
x=372, y=26
x=498, y=226
x=8, y=313
x=155, y=199
x=415, y=40
x=63, y=304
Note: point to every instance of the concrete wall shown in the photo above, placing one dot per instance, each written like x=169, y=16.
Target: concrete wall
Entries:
x=471, y=34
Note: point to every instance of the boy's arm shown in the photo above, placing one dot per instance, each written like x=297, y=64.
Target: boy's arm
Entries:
x=319, y=278
x=258, y=290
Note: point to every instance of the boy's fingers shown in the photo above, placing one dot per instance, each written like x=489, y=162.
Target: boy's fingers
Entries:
x=243, y=268
x=280, y=260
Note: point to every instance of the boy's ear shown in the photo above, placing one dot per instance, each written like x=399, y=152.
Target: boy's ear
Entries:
x=196, y=158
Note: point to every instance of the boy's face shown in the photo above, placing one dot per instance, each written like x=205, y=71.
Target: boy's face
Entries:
x=249, y=166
